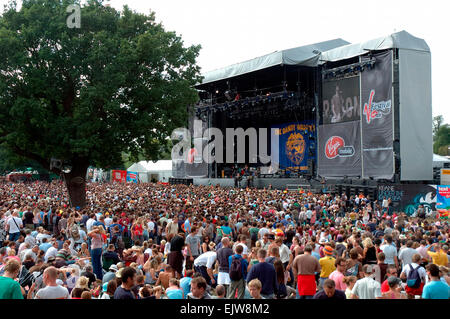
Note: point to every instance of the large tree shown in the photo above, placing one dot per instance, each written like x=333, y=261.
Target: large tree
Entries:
x=120, y=83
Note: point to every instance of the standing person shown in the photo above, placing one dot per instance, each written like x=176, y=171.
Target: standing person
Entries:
x=124, y=291
x=329, y=291
x=223, y=255
x=304, y=268
x=52, y=289
x=175, y=258
x=13, y=226
x=327, y=264
x=439, y=256
x=9, y=287
x=172, y=227
x=238, y=273
x=338, y=275
x=415, y=275
x=367, y=288
x=97, y=234
x=394, y=289
x=390, y=251
x=407, y=254
x=265, y=272
x=193, y=245
x=435, y=288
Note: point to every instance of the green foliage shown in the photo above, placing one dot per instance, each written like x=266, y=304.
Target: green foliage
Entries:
x=442, y=140
x=120, y=83
x=437, y=122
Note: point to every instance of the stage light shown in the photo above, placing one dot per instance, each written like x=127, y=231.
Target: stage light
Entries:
x=217, y=91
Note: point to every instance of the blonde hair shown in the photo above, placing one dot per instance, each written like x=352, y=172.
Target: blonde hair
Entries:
x=82, y=282
x=367, y=243
x=255, y=283
x=349, y=280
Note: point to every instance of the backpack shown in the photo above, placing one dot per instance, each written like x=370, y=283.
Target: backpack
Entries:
x=413, y=280
x=235, y=269
x=353, y=271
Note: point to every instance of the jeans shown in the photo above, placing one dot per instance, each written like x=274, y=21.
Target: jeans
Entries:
x=321, y=281
x=96, y=257
x=305, y=297
x=14, y=236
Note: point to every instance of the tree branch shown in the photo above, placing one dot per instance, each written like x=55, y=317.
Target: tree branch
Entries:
x=42, y=161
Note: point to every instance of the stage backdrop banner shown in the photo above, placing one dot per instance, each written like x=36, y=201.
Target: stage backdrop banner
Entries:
x=340, y=149
x=340, y=100
x=377, y=117
x=296, y=145
x=132, y=177
x=407, y=197
x=119, y=176
x=443, y=200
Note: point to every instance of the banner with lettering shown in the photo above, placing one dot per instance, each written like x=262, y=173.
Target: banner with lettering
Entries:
x=408, y=197
x=443, y=201
x=339, y=150
x=377, y=117
x=296, y=145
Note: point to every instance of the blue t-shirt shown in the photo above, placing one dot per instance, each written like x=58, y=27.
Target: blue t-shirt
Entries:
x=185, y=284
x=45, y=246
x=174, y=294
x=226, y=230
x=436, y=290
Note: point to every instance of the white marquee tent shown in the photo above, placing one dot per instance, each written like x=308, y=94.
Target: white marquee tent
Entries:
x=148, y=170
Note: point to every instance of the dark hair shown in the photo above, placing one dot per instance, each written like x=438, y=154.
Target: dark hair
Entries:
x=200, y=282
x=128, y=272
x=279, y=270
x=433, y=269
x=111, y=287
x=239, y=249
x=329, y=283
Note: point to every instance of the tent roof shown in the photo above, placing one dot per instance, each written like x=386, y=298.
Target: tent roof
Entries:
x=399, y=40
x=149, y=166
x=439, y=158
x=307, y=55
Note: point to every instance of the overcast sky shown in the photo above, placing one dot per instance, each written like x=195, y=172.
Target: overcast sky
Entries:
x=234, y=31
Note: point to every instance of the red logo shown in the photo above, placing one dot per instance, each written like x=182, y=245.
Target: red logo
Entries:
x=332, y=146
x=370, y=115
x=191, y=155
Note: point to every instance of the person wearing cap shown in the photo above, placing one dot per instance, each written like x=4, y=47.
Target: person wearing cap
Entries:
x=327, y=264
x=111, y=274
x=367, y=287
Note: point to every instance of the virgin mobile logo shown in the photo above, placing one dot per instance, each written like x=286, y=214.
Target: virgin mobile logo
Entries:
x=335, y=147
x=374, y=110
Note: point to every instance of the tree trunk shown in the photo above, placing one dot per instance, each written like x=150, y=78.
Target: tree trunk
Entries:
x=76, y=183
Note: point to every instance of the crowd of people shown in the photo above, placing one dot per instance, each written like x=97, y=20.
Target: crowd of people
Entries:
x=159, y=241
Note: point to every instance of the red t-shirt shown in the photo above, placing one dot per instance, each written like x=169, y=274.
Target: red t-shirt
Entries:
x=384, y=286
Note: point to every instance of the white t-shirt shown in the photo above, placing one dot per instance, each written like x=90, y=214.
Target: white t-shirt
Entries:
x=367, y=288
x=51, y=252
x=89, y=224
x=52, y=292
x=262, y=232
x=406, y=255
x=207, y=259
x=284, y=253
x=390, y=252
x=12, y=225
x=422, y=272
x=39, y=237
x=244, y=246
x=108, y=221
x=150, y=226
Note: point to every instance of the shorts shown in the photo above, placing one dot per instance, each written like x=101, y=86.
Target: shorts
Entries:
x=223, y=278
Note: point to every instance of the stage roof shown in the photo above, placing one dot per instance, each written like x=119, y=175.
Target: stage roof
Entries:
x=307, y=55
x=398, y=40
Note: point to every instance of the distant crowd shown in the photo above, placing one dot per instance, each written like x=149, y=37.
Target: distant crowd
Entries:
x=159, y=241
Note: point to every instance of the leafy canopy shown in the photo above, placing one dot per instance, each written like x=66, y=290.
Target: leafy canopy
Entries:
x=120, y=83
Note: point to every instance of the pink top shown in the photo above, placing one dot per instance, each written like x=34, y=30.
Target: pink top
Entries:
x=338, y=277
x=97, y=241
